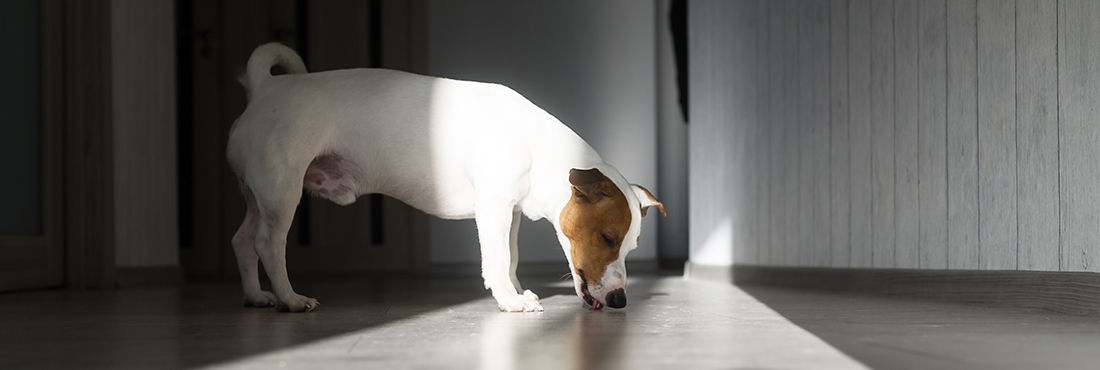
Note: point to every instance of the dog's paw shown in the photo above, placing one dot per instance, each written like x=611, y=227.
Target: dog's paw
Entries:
x=299, y=303
x=261, y=298
x=528, y=302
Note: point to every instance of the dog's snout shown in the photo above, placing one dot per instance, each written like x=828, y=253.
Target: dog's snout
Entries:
x=616, y=299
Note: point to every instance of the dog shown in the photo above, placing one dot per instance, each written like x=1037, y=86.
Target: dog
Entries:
x=453, y=149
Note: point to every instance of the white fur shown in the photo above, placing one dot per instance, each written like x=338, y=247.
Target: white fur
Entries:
x=454, y=149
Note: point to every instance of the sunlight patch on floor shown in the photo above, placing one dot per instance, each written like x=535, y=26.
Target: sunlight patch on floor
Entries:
x=669, y=323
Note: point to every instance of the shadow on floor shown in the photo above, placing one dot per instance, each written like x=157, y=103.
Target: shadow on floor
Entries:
x=202, y=324
x=898, y=333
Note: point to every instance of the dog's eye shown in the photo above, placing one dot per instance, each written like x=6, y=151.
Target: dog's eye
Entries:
x=608, y=240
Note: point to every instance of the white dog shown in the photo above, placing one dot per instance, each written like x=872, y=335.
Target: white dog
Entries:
x=454, y=149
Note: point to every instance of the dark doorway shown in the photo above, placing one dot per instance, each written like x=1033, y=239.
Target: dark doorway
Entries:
x=216, y=37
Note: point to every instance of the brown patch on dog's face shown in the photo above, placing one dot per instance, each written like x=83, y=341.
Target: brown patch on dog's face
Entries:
x=595, y=220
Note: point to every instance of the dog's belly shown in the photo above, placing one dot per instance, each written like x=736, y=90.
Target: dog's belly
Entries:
x=339, y=179
x=330, y=176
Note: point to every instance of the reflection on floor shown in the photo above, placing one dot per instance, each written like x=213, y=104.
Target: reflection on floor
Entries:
x=439, y=322
x=450, y=322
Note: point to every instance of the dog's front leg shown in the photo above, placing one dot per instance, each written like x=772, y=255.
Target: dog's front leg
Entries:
x=494, y=229
x=513, y=248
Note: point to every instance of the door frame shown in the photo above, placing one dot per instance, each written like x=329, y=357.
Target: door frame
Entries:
x=76, y=248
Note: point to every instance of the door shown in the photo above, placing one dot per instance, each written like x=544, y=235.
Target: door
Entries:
x=376, y=233
x=31, y=243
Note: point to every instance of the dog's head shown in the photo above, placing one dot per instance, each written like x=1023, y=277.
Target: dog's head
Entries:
x=602, y=224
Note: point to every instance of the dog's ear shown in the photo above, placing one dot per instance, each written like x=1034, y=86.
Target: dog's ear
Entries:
x=646, y=199
x=580, y=178
x=586, y=184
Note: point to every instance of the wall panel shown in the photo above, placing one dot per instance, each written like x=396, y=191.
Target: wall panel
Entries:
x=962, y=134
x=804, y=136
x=788, y=54
x=763, y=135
x=882, y=133
x=911, y=134
x=819, y=123
x=906, y=195
x=932, y=135
x=1079, y=169
x=859, y=111
x=840, y=251
x=996, y=134
x=1037, y=134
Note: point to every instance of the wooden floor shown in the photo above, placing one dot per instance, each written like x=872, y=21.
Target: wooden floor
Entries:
x=893, y=333
x=448, y=321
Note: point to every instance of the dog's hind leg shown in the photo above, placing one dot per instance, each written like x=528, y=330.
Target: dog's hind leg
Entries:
x=247, y=261
x=276, y=204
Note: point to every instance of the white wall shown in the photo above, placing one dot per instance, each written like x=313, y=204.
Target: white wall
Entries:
x=144, y=110
x=895, y=134
x=590, y=64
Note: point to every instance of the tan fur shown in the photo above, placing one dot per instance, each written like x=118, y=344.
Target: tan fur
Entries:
x=598, y=208
x=657, y=203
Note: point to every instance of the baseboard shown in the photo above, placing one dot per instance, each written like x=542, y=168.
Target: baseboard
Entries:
x=145, y=277
x=1076, y=293
x=722, y=274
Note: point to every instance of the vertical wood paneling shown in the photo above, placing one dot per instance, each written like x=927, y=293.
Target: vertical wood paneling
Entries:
x=790, y=149
x=743, y=54
x=932, y=136
x=804, y=135
x=751, y=26
x=882, y=132
x=767, y=128
x=962, y=135
x=776, y=106
x=701, y=138
x=997, y=134
x=785, y=48
x=905, y=133
x=734, y=49
x=1079, y=133
x=916, y=134
x=700, y=65
x=709, y=197
x=777, y=116
x=1037, y=130
x=859, y=95
x=838, y=124
x=819, y=121
x=763, y=138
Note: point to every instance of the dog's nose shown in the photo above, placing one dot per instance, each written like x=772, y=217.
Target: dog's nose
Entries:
x=616, y=299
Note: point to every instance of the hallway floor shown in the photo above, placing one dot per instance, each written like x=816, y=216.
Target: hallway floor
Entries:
x=448, y=321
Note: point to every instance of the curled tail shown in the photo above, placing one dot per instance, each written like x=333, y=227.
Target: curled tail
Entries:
x=261, y=61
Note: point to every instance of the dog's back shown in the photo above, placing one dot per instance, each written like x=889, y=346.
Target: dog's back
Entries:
x=427, y=141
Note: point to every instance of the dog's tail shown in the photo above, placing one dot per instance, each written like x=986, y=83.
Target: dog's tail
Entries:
x=265, y=57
